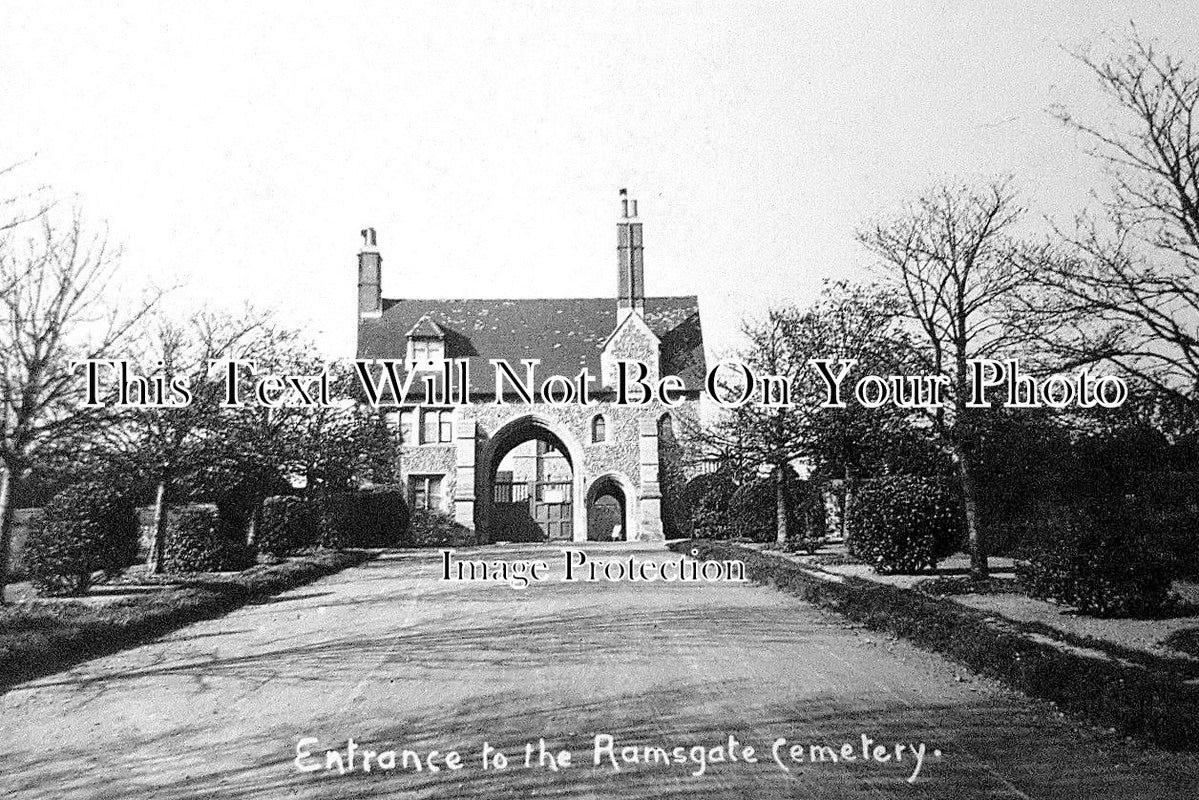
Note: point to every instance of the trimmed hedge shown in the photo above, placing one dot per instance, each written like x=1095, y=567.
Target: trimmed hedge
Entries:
x=85, y=528
x=384, y=516
x=905, y=523
x=371, y=518
x=285, y=524
x=198, y=541
x=236, y=486
x=41, y=638
x=1152, y=703
x=430, y=528
x=1103, y=566
x=708, y=498
x=339, y=520
x=753, y=512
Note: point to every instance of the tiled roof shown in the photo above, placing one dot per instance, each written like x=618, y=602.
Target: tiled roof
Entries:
x=566, y=334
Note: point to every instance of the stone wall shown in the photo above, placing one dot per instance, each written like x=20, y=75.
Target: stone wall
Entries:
x=630, y=430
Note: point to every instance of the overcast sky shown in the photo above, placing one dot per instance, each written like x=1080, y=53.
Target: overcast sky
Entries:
x=240, y=147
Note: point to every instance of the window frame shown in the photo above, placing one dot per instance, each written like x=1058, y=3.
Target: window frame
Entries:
x=404, y=426
x=599, y=429
x=429, y=416
x=425, y=352
x=428, y=486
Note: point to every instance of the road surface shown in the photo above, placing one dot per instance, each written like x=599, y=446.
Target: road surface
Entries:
x=394, y=658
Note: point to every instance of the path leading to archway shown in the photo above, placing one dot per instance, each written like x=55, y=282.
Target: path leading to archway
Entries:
x=393, y=657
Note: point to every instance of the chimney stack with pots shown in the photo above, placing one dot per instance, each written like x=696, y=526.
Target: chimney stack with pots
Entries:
x=630, y=280
x=370, y=276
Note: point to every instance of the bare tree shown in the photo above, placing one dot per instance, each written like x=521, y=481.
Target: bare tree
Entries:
x=958, y=269
x=764, y=434
x=1131, y=276
x=20, y=206
x=55, y=309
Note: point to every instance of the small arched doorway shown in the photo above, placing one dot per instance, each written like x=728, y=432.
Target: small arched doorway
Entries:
x=607, y=511
x=530, y=484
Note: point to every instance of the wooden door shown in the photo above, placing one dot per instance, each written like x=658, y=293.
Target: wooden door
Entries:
x=553, y=510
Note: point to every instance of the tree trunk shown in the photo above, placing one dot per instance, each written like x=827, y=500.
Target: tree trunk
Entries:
x=979, y=569
x=251, y=532
x=847, y=498
x=158, y=543
x=5, y=525
x=780, y=503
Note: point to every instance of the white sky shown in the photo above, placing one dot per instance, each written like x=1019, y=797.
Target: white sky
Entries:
x=240, y=147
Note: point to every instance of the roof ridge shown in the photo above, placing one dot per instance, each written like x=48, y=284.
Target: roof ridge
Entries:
x=519, y=299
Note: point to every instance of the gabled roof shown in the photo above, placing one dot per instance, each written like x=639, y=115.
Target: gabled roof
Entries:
x=566, y=334
x=628, y=322
x=425, y=328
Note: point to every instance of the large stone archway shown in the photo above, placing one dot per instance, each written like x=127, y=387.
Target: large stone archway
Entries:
x=509, y=435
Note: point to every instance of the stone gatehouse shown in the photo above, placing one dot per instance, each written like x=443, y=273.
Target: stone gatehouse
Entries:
x=533, y=471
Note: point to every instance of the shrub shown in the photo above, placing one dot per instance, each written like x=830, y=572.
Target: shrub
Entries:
x=813, y=515
x=950, y=585
x=1175, y=535
x=340, y=520
x=375, y=517
x=86, y=527
x=708, y=498
x=236, y=486
x=198, y=541
x=430, y=528
x=383, y=516
x=1102, y=566
x=904, y=524
x=753, y=512
x=285, y=524
x=1184, y=641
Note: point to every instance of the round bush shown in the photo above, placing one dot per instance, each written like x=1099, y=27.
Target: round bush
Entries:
x=904, y=524
x=198, y=541
x=86, y=527
x=1104, y=566
x=285, y=524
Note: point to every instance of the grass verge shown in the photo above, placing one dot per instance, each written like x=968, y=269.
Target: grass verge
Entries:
x=1151, y=702
x=43, y=637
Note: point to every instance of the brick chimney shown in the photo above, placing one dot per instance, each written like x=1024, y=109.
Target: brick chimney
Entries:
x=370, y=276
x=630, y=281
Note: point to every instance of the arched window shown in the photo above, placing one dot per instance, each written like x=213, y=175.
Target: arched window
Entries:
x=599, y=429
x=665, y=427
